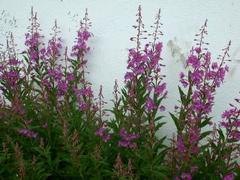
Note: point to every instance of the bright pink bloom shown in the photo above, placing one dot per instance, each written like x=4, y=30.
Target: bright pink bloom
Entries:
x=229, y=176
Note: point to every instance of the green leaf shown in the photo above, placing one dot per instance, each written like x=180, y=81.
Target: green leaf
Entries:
x=158, y=118
x=25, y=58
x=175, y=119
x=205, y=134
x=159, y=125
x=205, y=122
x=221, y=134
x=182, y=96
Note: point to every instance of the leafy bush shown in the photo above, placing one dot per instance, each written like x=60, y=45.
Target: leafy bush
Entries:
x=52, y=126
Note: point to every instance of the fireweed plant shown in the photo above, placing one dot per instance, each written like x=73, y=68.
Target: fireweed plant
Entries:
x=191, y=157
x=52, y=126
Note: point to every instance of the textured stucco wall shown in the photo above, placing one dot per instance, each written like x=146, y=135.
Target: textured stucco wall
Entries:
x=112, y=21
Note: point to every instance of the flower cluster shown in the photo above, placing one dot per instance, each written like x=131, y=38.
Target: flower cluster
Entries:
x=32, y=39
x=101, y=132
x=10, y=76
x=10, y=64
x=144, y=79
x=231, y=121
x=80, y=48
x=54, y=47
x=127, y=139
x=204, y=75
x=146, y=63
x=84, y=96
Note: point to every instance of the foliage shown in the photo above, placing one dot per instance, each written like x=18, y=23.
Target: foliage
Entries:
x=52, y=126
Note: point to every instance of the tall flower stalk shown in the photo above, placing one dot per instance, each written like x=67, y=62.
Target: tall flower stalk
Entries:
x=138, y=106
x=203, y=78
x=144, y=84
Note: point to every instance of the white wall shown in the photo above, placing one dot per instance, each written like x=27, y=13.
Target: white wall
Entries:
x=112, y=21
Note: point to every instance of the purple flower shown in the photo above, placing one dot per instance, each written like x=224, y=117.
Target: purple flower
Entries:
x=46, y=83
x=54, y=47
x=62, y=87
x=194, y=135
x=186, y=176
x=229, y=176
x=86, y=91
x=235, y=134
x=11, y=77
x=33, y=42
x=127, y=139
x=42, y=53
x=159, y=47
x=70, y=77
x=82, y=105
x=27, y=133
x=214, y=65
x=101, y=132
x=197, y=77
x=198, y=50
x=80, y=47
x=180, y=145
x=55, y=73
x=160, y=89
x=13, y=62
x=127, y=144
x=128, y=76
x=162, y=108
x=150, y=105
x=207, y=56
x=183, y=80
x=106, y=138
x=230, y=113
x=193, y=61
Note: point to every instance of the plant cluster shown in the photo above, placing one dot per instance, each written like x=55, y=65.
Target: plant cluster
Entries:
x=53, y=127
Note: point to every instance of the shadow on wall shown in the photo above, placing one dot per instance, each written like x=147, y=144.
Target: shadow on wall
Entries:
x=179, y=53
x=7, y=22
